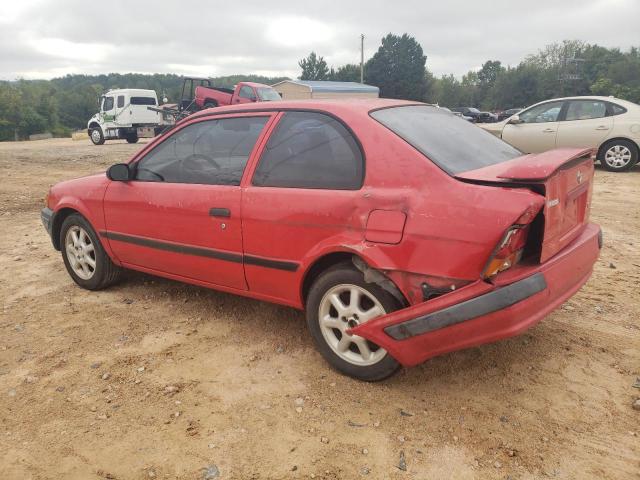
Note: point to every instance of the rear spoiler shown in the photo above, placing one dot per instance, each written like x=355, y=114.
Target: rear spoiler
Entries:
x=531, y=167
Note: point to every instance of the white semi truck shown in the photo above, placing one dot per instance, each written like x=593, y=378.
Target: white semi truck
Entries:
x=124, y=114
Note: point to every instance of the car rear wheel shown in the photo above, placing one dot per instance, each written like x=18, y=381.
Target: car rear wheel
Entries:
x=85, y=259
x=210, y=104
x=340, y=299
x=618, y=155
x=97, y=137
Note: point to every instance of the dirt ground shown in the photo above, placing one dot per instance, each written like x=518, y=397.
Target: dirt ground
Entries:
x=156, y=379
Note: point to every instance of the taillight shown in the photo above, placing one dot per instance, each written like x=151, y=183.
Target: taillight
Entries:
x=508, y=252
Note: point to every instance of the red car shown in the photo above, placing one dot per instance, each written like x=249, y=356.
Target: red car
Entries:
x=404, y=231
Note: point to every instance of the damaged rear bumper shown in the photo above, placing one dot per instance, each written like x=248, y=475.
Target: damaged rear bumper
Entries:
x=484, y=312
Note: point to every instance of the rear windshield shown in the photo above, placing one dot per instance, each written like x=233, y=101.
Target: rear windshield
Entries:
x=452, y=143
x=143, y=101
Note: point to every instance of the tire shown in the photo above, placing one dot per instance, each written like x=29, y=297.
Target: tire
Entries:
x=96, y=136
x=103, y=273
x=618, y=155
x=132, y=139
x=210, y=104
x=341, y=280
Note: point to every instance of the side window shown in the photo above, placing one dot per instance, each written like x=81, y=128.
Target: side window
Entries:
x=107, y=104
x=120, y=101
x=213, y=152
x=547, y=112
x=247, y=92
x=310, y=150
x=586, y=110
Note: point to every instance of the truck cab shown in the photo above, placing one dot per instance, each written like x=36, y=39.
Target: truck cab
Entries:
x=243, y=92
x=124, y=114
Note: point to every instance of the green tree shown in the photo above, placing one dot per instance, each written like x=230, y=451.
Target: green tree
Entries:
x=313, y=68
x=398, y=68
x=346, y=73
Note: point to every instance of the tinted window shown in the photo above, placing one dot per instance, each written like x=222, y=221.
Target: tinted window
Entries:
x=585, y=110
x=143, y=101
x=547, y=112
x=107, y=104
x=247, y=92
x=213, y=152
x=120, y=101
x=450, y=142
x=310, y=150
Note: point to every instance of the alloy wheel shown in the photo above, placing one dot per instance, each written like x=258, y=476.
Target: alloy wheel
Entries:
x=618, y=156
x=80, y=252
x=344, y=307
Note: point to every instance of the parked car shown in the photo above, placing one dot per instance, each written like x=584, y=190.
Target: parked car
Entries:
x=508, y=113
x=124, y=115
x=470, y=112
x=457, y=114
x=401, y=242
x=609, y=125
x=243, y=92
x=476, y=115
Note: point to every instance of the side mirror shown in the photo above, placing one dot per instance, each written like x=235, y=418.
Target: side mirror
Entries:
x=254, y=99
x=515, y=120
x=119, y=172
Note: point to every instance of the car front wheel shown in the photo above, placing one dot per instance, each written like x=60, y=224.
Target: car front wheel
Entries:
x=339, y=300
x=618, y=155
x=85, y=259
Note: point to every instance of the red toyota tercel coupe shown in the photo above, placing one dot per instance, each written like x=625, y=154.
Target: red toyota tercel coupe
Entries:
x=404, y=231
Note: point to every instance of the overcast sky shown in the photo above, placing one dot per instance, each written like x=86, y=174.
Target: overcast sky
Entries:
x=50, y=38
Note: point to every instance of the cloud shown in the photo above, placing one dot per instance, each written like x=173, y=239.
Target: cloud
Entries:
x=46, y=38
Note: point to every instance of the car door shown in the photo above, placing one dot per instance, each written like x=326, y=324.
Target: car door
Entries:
x=537, y=129
x=108, y=111
x=181, y=214
x=586, y=124
x=302, y=193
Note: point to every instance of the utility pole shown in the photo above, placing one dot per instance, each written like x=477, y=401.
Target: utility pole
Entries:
x=361, y=58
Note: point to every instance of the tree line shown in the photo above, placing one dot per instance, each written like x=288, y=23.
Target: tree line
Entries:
x=398, y=68
x=64, y=104
x=569, y=68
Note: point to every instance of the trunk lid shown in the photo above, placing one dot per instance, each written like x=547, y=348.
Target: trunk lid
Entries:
x=565, y=178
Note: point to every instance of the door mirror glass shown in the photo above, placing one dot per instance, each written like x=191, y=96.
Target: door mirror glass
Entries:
x=119, y=172
x=515, y=120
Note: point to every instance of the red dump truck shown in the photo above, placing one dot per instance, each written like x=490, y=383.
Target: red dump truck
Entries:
x=208, y=96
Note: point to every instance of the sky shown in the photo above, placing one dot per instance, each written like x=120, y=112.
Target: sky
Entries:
x=52, y=38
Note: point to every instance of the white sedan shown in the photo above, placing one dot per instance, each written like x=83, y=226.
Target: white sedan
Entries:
x=610, y=125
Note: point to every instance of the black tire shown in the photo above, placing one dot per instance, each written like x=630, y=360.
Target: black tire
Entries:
x=132, y=139
x=346, y=273
x=622, y=145
x=105, y=273
x=99, y=136
x=210, y=104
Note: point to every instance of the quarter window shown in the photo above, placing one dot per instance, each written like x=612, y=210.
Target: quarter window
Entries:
x=586, y=110
x=120, y=101
x=143, y=101
x=310, y=150
x=213, y=152
x=547, y=112
x=617, y=109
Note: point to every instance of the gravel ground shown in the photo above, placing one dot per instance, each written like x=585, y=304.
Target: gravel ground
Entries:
x=156, y=379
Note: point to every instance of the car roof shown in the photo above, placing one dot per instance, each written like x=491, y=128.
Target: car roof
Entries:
x=133, y=91
x=329, y=105
x=591, y=97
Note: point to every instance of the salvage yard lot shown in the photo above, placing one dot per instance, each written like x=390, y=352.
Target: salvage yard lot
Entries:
x=156, y=379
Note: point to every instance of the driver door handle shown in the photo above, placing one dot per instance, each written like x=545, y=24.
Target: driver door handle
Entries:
x=602, y=127
x=220, y=212
x=549, y=130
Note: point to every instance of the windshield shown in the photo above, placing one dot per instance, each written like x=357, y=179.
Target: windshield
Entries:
x=452, y=143
x=268, y=94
